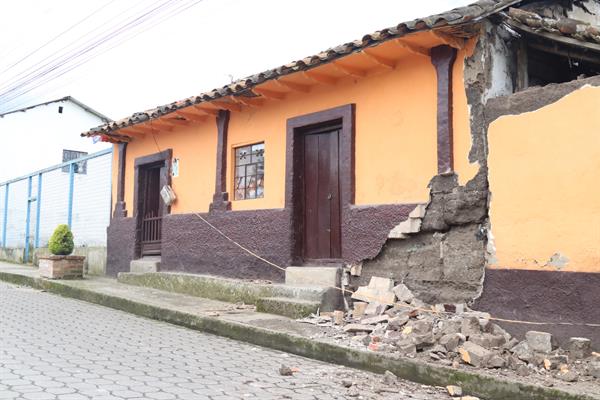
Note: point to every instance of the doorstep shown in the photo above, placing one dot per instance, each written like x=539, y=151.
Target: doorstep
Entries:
x=276, y=332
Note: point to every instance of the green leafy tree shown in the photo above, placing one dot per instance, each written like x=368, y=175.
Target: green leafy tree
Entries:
x=61, y=241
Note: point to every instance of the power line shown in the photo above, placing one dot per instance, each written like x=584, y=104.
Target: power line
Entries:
x=171, y=13
x=56, y=37
x=90, y=44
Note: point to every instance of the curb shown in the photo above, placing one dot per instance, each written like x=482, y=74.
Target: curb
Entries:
x=490, y=388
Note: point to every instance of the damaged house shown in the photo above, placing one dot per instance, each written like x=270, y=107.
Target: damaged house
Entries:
x=457, y=153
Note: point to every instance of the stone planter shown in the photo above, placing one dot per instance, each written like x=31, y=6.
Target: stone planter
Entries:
x=61, y=267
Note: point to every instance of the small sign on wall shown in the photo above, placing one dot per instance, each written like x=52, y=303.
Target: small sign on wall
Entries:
x=175, y=168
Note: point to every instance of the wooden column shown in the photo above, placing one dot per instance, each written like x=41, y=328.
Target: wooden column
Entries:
x=442, y=57
x=120, y=207
x=221, y=197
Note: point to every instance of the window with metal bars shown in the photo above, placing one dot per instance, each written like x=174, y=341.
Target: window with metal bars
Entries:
x=249, y=171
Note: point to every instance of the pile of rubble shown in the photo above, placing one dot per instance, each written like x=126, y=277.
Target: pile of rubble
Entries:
x=388, y=318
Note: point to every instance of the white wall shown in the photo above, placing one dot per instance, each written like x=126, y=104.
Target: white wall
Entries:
x=34, y=139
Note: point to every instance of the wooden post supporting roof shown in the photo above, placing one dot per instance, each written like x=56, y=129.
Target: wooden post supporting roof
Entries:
x=221, y=197
x=442, y=57
x=120, y=207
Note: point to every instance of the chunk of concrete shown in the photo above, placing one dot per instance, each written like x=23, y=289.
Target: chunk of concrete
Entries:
x=474, y=354
x=379, y=290
x=579, y=347
x=422, y=340
x=359, y=309
x=470, y=326
x=541, y=342
x=351, y=328
x=523, y=351
x=451, y=341
x=313, y=276
x=594, y=369
x=487, y=340
x=403, y=293
x=375, y=320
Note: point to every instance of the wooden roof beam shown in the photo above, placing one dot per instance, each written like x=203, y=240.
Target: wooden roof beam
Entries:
x=350, y=70
x=133, y=131
x=450, y=40
x=413, y=48
x=248, y=101
x=226, y=106
x=269, y=94
x=320, y=78
x=377, y=59
x=297, y=87
x=116, y=138
x=143, y=128
x=175, y=121
x=161, y=125
x=190, y=116
x=206, y=110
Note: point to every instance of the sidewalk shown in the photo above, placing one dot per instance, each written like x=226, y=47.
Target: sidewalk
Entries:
x=280, y=333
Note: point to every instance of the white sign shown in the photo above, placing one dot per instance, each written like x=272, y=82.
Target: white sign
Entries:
x=175, y=167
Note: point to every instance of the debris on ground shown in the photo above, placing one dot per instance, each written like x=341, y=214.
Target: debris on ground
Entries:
x=387, y=317
x=284, y=370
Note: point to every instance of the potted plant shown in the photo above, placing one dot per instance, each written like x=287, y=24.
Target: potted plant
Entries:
x=61, y=265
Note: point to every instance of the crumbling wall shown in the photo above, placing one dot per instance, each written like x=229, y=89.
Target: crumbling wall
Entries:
x=444, y=262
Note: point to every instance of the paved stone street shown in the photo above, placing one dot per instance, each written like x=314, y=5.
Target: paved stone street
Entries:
x=57, y=348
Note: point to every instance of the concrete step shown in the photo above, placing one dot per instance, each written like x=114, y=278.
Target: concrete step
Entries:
x=232, y=290
x=314, y=275
x=144, y=265
x=291, y=308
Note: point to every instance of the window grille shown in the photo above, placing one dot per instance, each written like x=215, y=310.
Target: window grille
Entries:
x=249, y=171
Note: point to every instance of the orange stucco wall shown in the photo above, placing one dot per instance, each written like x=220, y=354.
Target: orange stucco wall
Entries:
x=544, y=170
x=194, y=146
x=396, y=148
x=396, y=145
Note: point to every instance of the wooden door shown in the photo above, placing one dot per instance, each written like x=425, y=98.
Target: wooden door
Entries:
x=322, y=230
x=151, y=222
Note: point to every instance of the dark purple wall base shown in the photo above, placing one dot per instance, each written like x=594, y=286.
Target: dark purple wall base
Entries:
x=544, y=296
x=190, y=245
x=120, y=245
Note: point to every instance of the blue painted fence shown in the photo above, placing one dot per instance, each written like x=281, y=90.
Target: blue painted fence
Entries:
x=76, y=193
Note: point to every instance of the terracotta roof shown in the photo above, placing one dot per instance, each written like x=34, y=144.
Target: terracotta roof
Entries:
x=456, y=17
x=567, y=27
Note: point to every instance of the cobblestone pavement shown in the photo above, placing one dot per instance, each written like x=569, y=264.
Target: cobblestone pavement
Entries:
x=57, y=348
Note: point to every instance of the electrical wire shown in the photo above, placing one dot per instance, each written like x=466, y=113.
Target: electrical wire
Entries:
x=90, y=45
x=169, y=14
x=57, y=36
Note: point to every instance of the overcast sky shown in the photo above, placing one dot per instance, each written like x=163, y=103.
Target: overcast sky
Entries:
x=166, y=59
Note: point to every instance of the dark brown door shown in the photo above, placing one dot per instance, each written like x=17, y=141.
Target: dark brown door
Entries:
x=151, y=223
x=322, y=237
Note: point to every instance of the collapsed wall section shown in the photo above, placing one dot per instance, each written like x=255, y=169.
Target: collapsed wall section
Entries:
x=445, y=260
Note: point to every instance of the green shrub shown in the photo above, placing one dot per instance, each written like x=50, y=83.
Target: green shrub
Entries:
x=61, y=241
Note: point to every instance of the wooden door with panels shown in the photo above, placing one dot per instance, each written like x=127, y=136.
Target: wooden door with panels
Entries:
x=321, y=195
